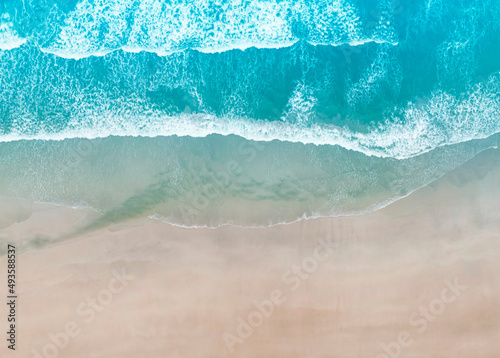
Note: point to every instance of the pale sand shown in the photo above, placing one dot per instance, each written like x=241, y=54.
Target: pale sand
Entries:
x=191, y=285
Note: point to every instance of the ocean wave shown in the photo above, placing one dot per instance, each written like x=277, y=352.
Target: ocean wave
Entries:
x=443, y=119
x=9, y=38
x=208, y=50
x=97, y=27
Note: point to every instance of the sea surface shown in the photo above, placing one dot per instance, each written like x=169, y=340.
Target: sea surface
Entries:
x=250, y=113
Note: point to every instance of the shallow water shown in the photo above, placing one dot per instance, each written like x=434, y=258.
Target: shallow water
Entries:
x=216, y=180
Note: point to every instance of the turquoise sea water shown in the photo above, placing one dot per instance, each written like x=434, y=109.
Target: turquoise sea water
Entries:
x=244, y=112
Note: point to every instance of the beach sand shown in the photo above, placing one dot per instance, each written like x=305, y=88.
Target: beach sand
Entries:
x=419, y=278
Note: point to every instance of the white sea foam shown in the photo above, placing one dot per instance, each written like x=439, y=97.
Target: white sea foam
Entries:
x=9, y=38
x=94, y=28
x=421, y=126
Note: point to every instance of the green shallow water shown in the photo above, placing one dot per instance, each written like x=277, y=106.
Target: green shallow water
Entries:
x=215, y=180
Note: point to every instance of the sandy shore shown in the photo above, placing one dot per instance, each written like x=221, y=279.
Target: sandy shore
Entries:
x=419, y=278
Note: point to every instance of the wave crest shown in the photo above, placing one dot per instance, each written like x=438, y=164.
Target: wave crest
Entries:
x=9, y=38
x=97, y=27
x=423, y=125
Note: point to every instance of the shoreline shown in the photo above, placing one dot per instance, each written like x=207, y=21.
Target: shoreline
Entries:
x=89, y=213
x=217, y=180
